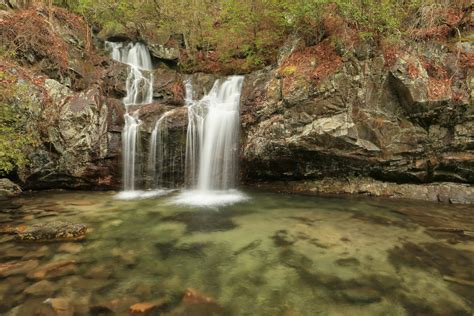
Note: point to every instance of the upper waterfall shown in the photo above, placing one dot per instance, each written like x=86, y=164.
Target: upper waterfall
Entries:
x=139, y=82
x=139, y=86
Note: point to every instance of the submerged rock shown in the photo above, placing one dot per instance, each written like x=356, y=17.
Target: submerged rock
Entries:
x=41, y=288
x=347, y=262
x=284, y=238
x=146, y=308
x=17, y=267
x=51, y=231
x=361, y=295
x=198, y=304
x=61, y=306
x=53, y=270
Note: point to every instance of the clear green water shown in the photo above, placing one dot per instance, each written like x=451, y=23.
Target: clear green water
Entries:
x=271, y=255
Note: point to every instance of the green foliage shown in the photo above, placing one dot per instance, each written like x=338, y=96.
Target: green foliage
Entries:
x=16, y=133
x=247, y=29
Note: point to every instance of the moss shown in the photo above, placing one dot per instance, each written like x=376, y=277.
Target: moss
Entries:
x=288, y=71
x=16, y=130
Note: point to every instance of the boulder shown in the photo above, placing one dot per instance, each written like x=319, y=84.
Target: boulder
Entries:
x=77, y=149
x=8, y=188
x=163, y=52
x=51, y=231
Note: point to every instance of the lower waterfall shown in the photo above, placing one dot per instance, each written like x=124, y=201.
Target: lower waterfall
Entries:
x=212, y=144
x=129, y=144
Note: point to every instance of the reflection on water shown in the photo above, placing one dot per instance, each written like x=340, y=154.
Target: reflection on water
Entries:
x=269, y=255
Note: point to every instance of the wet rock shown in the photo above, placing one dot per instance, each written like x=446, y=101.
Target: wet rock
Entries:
x=17, y=267
x=455, y=193
x=54, y=270
x=8, y=189
x=56, y=230
x=284, y=238
x=41, y=288
x=361, y=295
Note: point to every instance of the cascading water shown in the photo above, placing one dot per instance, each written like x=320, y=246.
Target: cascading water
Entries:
x=129, y=142
x=159, y=153
x=139, y=82
x=139, y=86
x=212, y=144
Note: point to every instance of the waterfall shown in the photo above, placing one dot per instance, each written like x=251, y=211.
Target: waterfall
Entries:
x=194, y=136
x=130, y=137
x=139, y=86
x=158, y=152
x=212, y=144
x=139, y=82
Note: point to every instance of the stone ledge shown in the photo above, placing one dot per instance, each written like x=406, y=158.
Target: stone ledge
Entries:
x=446, y=192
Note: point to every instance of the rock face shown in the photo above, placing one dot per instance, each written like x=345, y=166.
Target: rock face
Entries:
x=52, y=231
x=397, y=123
x=80, y=148
x=360, y=114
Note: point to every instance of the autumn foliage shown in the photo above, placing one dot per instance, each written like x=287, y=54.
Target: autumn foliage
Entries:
x=28, y=33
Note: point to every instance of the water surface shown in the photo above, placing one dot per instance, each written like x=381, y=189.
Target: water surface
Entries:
x=270, y=255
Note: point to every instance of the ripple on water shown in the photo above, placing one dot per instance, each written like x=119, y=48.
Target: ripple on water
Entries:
x=137, y=195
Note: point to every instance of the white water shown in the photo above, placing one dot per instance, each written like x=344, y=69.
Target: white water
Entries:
x=139, y=82
x=139, y=86
x=130, y=137
x=159, y=151
x=212, y=144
